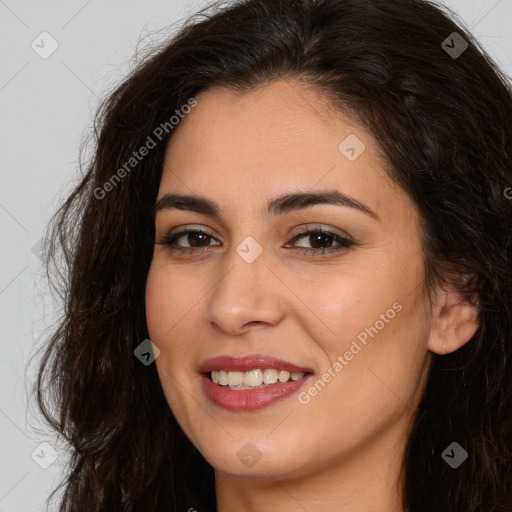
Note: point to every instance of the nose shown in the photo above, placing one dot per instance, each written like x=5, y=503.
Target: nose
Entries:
x=245, y=295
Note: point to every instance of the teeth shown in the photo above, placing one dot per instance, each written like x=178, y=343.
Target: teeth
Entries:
x=284, y=376
x=235, y=379
x=253, y=378
x=270, y=376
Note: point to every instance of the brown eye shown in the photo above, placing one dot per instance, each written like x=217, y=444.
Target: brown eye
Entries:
x=318, y=239
x=196, y=240
x=321, y=241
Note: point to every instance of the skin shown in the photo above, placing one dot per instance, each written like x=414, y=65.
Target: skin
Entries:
x=343, y=449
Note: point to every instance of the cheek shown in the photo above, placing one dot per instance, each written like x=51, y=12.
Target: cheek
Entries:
x=167, y=302
x=171, y=317
x=351, y=303
x=166, y=318
x=375, y=318
x=157, y=299
x=163, y=314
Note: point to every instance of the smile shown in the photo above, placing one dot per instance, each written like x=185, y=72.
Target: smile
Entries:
x=250, y=382
x=253, y=378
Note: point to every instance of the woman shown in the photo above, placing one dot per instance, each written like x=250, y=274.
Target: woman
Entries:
x=302, y=204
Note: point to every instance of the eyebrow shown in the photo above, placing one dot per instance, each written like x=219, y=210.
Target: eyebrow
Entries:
x=277, y=206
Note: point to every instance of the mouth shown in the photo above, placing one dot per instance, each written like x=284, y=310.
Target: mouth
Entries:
x=253, y=379
x=251, y=382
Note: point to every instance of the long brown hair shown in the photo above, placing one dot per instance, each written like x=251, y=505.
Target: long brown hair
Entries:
x=444, y=122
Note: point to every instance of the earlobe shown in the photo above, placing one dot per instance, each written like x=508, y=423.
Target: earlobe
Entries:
x=455, y=322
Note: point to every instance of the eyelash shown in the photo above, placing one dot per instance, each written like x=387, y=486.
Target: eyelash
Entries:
x=345, y=243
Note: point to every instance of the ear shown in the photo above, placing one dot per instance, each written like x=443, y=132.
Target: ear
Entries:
x=455, y=321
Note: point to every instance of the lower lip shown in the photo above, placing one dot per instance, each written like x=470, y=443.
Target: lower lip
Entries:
x=250, y=399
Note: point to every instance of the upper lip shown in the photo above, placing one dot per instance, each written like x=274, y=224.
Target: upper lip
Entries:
x=251, y=362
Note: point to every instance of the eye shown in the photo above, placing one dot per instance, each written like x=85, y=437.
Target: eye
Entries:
x=199, y=240
x=194, y=237
x=319, y=239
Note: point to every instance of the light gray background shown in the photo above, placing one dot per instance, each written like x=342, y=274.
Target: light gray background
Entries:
x=46, y=109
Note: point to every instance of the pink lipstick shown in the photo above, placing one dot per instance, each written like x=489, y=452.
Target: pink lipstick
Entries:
x=271, y=379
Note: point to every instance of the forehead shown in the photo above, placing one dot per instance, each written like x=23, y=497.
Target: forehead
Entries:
x=277, y=138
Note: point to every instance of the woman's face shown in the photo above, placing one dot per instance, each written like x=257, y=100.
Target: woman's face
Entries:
x=347, y=306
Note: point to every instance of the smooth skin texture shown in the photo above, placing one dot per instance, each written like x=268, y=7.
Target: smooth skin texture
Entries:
x=343, y=449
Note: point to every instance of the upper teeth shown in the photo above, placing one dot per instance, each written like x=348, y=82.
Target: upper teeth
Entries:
x=252, y=378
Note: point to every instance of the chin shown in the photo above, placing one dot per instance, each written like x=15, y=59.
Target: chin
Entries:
x=246, y=458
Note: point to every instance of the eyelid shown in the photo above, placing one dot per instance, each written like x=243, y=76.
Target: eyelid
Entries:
x=301, y=230
x=192, y=227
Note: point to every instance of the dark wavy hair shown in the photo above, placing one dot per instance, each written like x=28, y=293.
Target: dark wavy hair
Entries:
x=444, y=124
